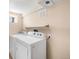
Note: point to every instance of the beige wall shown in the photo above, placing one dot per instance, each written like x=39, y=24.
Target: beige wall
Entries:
x=17, y=26
x=58, y=19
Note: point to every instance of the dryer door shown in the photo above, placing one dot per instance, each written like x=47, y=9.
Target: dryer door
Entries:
x=21, y=51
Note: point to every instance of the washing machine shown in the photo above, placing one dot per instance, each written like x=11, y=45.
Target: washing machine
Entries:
x=29, y=46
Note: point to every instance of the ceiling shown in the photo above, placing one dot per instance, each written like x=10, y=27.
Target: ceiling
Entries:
x=23, y=6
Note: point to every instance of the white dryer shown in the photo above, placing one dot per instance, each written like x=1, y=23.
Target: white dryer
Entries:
x=30, y=46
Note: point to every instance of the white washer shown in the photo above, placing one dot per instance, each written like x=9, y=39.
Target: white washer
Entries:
x=29, y=47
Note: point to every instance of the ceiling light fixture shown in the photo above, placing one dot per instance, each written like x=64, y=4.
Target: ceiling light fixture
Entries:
x=45, y=4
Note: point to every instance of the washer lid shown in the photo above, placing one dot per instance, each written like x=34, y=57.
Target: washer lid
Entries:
x=27, y=39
